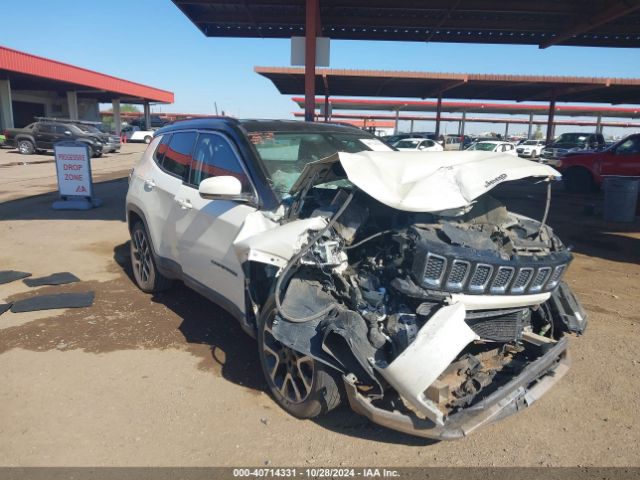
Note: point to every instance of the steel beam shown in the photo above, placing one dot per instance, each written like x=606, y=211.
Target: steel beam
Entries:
x=312, y=13
x=611, y=13
x=438, y=115
x=147, y=116
x=550, y=125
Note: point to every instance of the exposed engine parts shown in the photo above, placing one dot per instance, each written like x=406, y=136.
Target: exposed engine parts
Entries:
x=372, y=284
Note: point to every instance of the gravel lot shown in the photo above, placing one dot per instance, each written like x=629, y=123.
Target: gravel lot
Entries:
x=171, y=380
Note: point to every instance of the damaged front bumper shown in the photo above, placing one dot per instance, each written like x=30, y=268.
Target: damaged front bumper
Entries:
x=519, y=393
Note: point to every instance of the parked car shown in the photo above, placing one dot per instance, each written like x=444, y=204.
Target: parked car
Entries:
x=494, y=146
x=400, y=283
x=393, y=139
x=42, y=135
x=155, y=122
x=451, y=142
x=530, y=148
x=110, y=142
x=135, y=134
x=424, y=144
x=571, y=142
x=584, y=171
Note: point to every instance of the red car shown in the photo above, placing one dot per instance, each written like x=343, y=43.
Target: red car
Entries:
x=584, y=172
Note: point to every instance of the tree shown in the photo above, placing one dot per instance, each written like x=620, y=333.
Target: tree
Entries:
x=538, y=133
x=125, y=107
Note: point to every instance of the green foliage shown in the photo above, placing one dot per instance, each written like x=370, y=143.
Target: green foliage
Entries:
x=538, y=133
x=127, y=108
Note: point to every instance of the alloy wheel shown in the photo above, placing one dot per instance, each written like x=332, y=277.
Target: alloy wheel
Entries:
x=289, y=371
x=141, y=256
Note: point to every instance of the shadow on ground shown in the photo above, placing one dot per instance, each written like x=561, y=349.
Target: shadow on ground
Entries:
x=38, y=207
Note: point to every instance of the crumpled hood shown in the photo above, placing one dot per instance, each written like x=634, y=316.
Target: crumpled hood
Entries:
x=424, y=181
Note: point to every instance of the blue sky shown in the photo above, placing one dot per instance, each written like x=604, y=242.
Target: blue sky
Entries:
x=152, y=42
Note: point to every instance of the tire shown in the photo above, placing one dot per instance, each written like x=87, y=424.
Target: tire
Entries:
x=26, y=147
x=577, y=180
x=302, y=386
x=145, y=272
x=147, y=139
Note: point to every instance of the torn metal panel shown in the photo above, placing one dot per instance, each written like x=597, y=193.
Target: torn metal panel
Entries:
x=277, y=245
x=437, y=344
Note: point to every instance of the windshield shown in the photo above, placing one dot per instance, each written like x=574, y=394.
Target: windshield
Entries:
x=88, y=128
x=407, y=143
x=284, y=154
x=576, y=138
x=484, y=146
x=531, y=142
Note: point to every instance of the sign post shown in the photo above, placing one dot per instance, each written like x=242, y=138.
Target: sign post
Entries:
x=73, y=167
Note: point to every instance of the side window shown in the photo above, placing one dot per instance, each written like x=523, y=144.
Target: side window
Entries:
x=161, y=149
x=45, y=128
x=60, y=129
x=214, y=157
x=177, y=158
x=629, y=147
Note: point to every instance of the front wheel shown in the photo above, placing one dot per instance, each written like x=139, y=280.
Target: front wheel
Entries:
x=26, y=147
x=302, y=386
x=145, y=272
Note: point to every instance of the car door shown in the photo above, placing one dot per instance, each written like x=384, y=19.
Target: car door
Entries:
x=623, y=159
x=206, y=229
x=61, y=132
x=161, y=186
x=44, y=134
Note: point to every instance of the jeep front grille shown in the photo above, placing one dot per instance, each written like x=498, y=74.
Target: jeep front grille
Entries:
x=480, y=277
x=456, y=275
x=434, y=270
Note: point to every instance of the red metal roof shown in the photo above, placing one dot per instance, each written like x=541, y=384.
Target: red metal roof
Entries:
x=446, y=118
x=474, y=107
x=468, y=86
x=33, y=65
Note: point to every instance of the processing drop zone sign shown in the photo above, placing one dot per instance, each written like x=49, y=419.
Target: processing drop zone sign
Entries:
x=73, y=165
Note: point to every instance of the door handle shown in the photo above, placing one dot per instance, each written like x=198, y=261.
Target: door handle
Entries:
x=149, y=184
x=184, y=204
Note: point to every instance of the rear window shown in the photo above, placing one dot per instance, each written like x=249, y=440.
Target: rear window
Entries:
x=158, y=155
x=177, y=158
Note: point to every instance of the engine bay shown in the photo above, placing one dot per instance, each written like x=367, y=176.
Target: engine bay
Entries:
x=361, y=291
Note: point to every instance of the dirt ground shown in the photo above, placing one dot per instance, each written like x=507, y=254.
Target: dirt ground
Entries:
x=171, y=380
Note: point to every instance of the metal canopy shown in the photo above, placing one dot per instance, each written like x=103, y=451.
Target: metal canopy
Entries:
x=375, y=83
x=31, y=72
x=360, y=104
x=368, y=119
x=600, y=23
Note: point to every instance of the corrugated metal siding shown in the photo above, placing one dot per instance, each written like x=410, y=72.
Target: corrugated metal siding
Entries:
x=20, y=62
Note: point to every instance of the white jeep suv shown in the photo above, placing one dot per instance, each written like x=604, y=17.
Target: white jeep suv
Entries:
x=391, y=279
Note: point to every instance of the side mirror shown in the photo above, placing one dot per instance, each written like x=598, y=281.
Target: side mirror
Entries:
x=422, y=147
x=67, y=133
x=221, y=188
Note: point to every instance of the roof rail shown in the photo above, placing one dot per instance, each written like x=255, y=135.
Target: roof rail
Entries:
x=67, y=120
